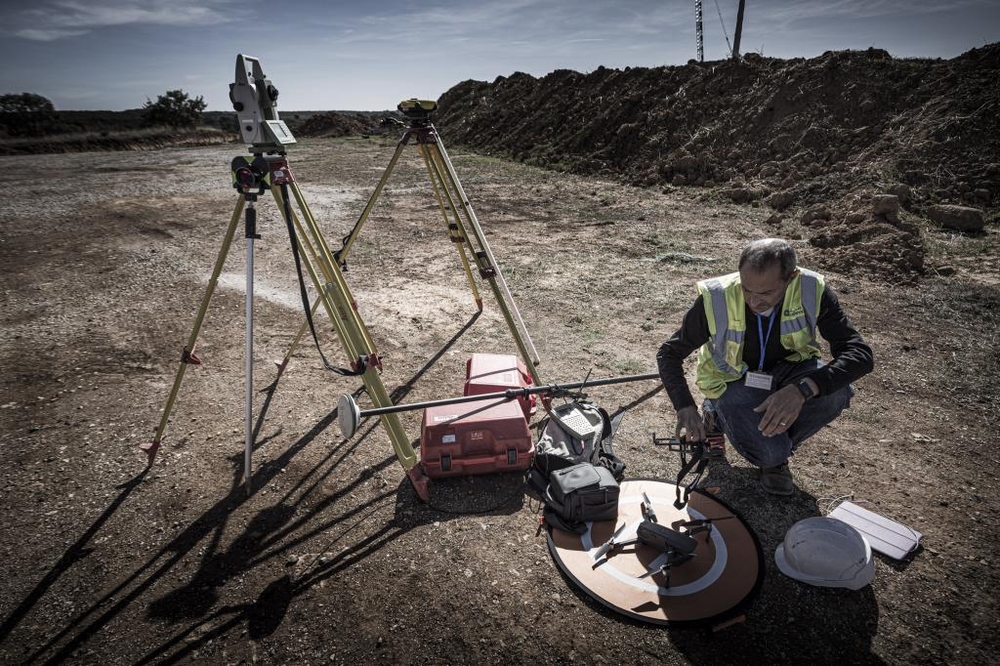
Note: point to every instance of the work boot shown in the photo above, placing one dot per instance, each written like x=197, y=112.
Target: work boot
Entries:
x=777, y=480
x=715, y=439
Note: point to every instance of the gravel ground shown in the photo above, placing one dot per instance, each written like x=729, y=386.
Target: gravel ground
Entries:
x=331, y=558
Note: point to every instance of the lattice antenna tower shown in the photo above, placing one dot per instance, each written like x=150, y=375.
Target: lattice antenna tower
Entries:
x=699, y=34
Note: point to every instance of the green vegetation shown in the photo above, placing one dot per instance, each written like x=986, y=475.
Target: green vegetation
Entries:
x=30, y=124
x=149, y=138
x=26, y=114
x=173, y=109
x=29, y=115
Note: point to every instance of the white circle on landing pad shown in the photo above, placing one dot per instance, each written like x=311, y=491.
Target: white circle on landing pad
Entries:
x=716, y=584
x=697, y=585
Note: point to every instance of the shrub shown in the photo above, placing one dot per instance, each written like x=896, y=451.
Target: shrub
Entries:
x=173, y=109
x=26, y=114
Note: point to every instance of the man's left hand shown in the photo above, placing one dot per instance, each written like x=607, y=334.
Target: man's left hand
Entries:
x=781, y=408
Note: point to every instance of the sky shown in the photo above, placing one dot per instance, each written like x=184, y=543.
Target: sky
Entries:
x=369, y=55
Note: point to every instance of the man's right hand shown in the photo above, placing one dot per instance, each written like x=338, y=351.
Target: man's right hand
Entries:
x=689, y=421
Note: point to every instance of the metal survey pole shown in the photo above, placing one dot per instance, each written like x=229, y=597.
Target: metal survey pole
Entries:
x=349, y=413
x=251, y=236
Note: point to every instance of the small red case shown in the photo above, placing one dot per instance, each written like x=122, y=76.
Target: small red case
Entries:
x=494, y=373
x=476, y=437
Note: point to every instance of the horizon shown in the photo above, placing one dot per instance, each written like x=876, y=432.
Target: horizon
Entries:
x=113, y=55
x=393, y=108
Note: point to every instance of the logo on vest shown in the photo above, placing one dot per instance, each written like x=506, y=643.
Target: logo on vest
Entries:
x=797, y=312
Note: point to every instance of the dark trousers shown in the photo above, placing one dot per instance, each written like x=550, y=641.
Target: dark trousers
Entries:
x=734, y=414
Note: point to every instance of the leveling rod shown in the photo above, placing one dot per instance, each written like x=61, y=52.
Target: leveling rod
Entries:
x=349, y=414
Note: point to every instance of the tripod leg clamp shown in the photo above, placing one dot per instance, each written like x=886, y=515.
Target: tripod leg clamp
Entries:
x=189, y=357
x=361, y=365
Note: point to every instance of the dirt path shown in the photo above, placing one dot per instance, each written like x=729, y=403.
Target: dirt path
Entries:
x=332, y=559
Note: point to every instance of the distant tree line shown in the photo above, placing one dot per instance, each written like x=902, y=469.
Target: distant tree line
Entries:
x=27, y=115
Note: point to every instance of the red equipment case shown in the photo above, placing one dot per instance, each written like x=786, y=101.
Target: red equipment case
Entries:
x=492, y=373
x=465, y=438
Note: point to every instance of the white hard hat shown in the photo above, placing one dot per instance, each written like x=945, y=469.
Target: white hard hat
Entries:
x=826, y=552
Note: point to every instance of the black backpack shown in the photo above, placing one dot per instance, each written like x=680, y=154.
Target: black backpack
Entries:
x=575, y=470
x=561, y=444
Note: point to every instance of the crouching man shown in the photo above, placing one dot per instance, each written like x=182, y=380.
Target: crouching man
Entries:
x=759, y=359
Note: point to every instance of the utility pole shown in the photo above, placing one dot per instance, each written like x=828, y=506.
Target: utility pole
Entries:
x=739, y=30
x=699, y=35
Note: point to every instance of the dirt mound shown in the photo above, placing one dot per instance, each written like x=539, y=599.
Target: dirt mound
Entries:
x=334, y=124
x=836, y=131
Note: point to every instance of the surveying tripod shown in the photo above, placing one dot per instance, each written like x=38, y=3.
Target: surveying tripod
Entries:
x=254, y=99
x=460, y=219
x=253, y=178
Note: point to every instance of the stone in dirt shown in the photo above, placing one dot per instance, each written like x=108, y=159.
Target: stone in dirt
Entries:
x=886, y=206
x=960, y=218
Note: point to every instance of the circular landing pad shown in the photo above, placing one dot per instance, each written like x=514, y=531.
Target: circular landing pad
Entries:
x=713, y=586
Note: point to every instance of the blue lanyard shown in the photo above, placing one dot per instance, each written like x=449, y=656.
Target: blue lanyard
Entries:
x=763, y=339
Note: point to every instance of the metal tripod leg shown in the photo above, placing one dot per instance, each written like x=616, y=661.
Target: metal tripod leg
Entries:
x=451, y=196
x=335, y=295
x=325, y=269
x=187, y=356
x=341, y=254
x=486, y=262
x=455, y=234
x=508, y=298
x=454, y=228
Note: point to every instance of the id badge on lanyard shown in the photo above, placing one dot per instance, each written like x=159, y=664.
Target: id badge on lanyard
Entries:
x=761, y=379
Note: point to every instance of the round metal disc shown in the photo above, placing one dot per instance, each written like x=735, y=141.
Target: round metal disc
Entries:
x=348, y=415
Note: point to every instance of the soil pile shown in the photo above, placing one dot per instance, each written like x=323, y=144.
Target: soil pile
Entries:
x=334, y=124
x=818, y=138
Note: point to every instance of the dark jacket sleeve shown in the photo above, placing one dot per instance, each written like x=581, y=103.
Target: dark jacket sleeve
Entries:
x=692, y=334
x=852, y=357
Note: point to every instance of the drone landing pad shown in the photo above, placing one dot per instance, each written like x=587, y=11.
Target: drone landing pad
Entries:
x=713, y=586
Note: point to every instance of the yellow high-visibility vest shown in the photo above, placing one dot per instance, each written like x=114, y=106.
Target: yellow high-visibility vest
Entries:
x=720, y=360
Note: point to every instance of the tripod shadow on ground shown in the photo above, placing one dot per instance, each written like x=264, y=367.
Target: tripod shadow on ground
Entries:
x=271, y=533
x=73, y=555
x=215, y=567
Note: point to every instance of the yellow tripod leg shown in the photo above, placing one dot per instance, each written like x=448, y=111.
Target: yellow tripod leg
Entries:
x=321, y=271
x=320, y=281
x=341, y=255
x=187, y=356
x=454, y=229
x=354, y=336
x=485, y=261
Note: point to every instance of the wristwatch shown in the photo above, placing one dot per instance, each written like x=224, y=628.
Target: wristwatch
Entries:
x=806, y=389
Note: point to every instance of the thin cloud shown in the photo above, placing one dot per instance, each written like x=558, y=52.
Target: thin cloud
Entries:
x=52, y=35
x=62, y=19
x=812, y=10
x=503, y=32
